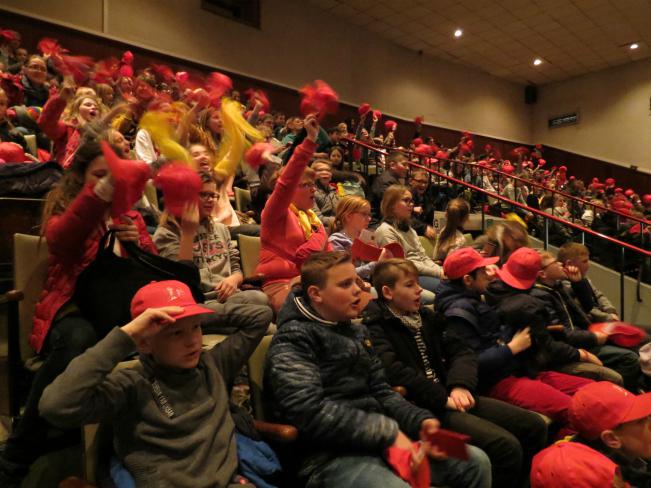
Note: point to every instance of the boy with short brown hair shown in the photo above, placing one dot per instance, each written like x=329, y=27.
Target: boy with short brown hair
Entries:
x=170, y=413
x=617, y=423
x=439, y=371
x=325, y=378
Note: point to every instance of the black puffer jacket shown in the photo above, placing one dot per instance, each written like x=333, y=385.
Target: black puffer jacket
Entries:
x=518, y=309
x=324, y=378
x=562, y=310
x=453, y=363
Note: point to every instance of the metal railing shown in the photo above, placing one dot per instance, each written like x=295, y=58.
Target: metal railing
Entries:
x=645, y=254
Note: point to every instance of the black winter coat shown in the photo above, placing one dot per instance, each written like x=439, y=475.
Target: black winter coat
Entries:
x=517, y=310
x=324, y=378
x=453, y=363
x=561, y=309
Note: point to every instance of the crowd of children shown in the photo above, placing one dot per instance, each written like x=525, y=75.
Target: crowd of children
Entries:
x=490, y=338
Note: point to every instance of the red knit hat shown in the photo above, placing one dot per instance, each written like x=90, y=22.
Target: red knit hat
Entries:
x=619, y=333
x=11, y=152
x=521, y=269
x=364, y=108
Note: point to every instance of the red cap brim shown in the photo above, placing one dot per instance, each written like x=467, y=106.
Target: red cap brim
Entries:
x=511, y=280
x=192, y=310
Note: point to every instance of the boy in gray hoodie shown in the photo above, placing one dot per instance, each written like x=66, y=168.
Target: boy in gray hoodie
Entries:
x=170, y=415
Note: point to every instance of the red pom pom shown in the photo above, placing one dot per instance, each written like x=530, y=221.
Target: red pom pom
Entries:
x=182, y=77
x=471, y=144
x=419, y=120
x=127, y=57
x=363, y=109
x=200, y=97
x=180, y=185
x=508, y=168
x=572, y=178
x=488, y=148
x=50, y=47
x=629, y=192
x=417, y=142
x=441, y=155
x=538, y=146
x=218, y=85
x=129, y=179
x=257, y=155
x=423, y=150
x=377, y=114
x=318, y=98
x=595, y=180
x=563, y=169
x=163, y=72
x=76, y=66
x=258, y=96
x=541, y=162
x=466, y=135
x=390, y=125
x=646, y=199
x=610, y=181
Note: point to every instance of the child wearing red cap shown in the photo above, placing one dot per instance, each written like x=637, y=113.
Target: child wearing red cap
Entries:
x=616, y=423
x=170, y=413
x=574, y=465
x=514, y=347
x=439, y=370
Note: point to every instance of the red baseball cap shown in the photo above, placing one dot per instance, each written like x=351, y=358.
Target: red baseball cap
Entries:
x=170, y=293
x=603, y=406
x=620, y=333
x=572, y=465
x=521, y=269
x=463, y=261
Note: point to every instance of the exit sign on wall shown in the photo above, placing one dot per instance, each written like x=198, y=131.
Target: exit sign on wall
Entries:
x=561, y=120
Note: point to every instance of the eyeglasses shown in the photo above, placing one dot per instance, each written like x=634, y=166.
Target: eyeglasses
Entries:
x=37, y=68
x=407, y=201
x=208, y=195
x=422, y=182
x=306, y=185
x=553, y=262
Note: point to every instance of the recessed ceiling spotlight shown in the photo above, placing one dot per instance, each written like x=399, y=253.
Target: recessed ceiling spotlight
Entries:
x=458, y=33
x=635, y=45
x=537, y=62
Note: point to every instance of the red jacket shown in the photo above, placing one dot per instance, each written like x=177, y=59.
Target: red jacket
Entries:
x=283, y=244
x=65, y=137
x=73, y=239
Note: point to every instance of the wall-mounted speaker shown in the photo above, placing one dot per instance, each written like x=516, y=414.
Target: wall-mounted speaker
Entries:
x=530, y=94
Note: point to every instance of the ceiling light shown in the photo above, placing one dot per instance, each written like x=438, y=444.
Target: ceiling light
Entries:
x=537, y=62
x=635, y=45
x=458, y=33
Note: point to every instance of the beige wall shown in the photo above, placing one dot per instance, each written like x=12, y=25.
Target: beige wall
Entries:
x=615, y=122
x=298, y=43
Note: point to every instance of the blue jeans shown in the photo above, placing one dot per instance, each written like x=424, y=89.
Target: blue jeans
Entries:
x=429, y=284
x=373, y=472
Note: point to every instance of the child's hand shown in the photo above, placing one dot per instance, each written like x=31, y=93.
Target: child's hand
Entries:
x=430, y=233
x=126, y=231
x=311, y=127
x=427, y=428
x=227, y=287
x=190, y=219
x=601, y=338
x=573, y=273
x=68, y=89
x=462, y=398
x=521, y=341
x=150, y=322
x=588, y=357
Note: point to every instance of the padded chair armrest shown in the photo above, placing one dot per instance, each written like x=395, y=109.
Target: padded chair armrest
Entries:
x=276, y=432
x=401, y=390
x=11, y=296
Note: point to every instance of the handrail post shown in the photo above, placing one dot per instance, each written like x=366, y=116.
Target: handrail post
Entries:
x=622, y=284
x=546, y=240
